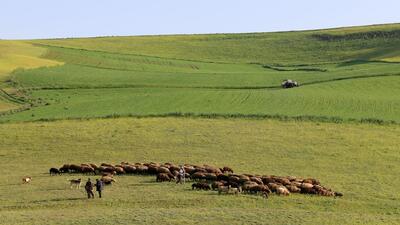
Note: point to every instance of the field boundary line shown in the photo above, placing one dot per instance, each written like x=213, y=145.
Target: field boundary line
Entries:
x=284, y=118
x=275, y=87
x=139, y=55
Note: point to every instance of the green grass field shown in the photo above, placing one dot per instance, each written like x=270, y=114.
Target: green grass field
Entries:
x=132, y=82
x=213, y=99
x=359, y=160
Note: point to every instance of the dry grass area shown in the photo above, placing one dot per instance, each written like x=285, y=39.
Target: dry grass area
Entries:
x=360, y=160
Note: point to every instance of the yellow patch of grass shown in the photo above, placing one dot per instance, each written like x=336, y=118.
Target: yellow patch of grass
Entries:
x=19, y=54
x=392, y=59
x=5, y=106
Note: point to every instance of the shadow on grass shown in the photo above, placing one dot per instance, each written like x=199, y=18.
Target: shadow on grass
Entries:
x=13, y=184
x=58, y=200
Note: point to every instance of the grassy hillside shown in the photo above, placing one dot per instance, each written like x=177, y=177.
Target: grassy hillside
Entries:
x=14, y=55
x=105, y=77
x=18, y=54
x=359, y=160
x=370, y=42
x=368, y=98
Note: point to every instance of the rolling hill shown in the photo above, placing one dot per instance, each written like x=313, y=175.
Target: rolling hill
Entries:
x=220, y=74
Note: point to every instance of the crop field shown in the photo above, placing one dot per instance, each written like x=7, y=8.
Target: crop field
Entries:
x=370, y=98
x=130, y=82
x=203, y=99
x=359, y=160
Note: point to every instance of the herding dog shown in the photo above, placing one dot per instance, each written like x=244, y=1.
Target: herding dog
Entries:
x=75, y=183
x=26, y=180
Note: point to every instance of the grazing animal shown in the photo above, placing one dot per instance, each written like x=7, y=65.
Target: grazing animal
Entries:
x=161, y=177
x=65, y=168
x=75, y=183
x=282, y=190
x=106, y=165
x=306, y=185
x=234, y=179
x=257, y=180
x=141, y=169
x=201, y=186
x=311, y=181
x=293, y=188
x=338, y=194
x=109, y=169
x=88, y=170
x=26, y=180
x=54, y=171
x=259, y=189
x=162, y=170
x=129, y=168
x=107, y=180
x=198, y=176
x=265, y=194
x=226, y=169
x=75, y=168
x=216, y=184
x=119, y=170
x=234, y=191
x=228, y=190
x=105, y=174
x=211, y=176
x=94, y=166
x=189, y=169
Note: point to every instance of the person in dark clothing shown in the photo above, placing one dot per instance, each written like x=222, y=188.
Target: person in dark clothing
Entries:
x=89, y=188
x=99, y=186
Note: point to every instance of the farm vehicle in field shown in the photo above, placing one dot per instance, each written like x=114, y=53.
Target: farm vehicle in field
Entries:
x=289, y=84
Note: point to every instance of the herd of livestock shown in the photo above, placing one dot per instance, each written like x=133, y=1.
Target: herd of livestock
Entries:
x=205, y=177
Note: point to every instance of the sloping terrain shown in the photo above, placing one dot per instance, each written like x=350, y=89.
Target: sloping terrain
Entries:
x=18, y=55
x=345, y=74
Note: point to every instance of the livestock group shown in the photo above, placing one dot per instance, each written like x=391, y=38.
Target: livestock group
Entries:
x=205, y=177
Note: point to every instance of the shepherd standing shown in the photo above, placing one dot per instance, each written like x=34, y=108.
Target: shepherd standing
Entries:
x=99, y=186
x=181, y=175
x=89, y=189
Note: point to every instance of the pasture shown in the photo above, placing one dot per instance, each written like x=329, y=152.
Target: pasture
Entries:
x=203, y=99
x=359, y=160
